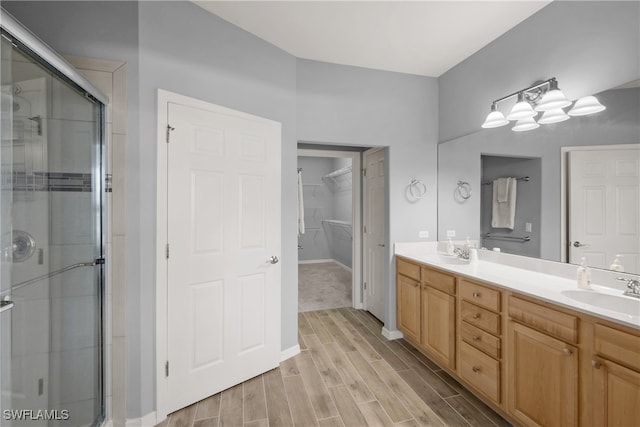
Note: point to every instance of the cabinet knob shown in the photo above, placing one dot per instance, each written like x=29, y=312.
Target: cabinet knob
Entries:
x=567, y=351
x=476, y=369
x=596, y=364
x=476, y=316
x=476, y=294
x=476, y=338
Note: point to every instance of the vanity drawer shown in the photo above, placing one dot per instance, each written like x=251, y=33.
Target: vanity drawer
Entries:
x=408, y=269
x=480, y=339
x=617, y=345
x=442, y=282
x=556, y=323
x=480, y=295
x=480, y=317
x=480, y=370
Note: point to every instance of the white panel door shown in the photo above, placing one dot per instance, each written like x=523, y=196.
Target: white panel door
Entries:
x=223, y=230
x=374, y=233
x=604, y=207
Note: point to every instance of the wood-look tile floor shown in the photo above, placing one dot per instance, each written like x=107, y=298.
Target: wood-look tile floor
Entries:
x=347, y=374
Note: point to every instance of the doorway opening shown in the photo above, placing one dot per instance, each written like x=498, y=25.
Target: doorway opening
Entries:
x=329, y=238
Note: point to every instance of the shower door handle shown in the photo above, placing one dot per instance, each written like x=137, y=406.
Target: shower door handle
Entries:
x=6, y=305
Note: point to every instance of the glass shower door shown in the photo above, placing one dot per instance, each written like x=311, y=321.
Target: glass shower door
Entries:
x=50, y=237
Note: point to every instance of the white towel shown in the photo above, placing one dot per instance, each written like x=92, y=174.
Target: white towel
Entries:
x=300, y=205
x=504, y=203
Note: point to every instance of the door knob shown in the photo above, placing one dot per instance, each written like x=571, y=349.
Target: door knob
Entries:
x=274, y=259
x=577, y=244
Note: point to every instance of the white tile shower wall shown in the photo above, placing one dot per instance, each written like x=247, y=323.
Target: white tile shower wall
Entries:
x=71, y=145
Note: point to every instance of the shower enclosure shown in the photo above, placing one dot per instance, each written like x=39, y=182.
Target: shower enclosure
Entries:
x=51, y=252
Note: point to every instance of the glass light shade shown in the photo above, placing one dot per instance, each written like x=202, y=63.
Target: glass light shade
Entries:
x=586, y=105
x=553, y=116
x=553, y=100
x=495, y=119
x=522, y=110
x=525, y=124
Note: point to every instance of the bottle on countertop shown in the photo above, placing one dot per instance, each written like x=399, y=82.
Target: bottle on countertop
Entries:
x=450, y=247
x=616, y=266
x=584, y=275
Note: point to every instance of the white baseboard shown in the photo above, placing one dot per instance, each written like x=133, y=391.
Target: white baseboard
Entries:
x=391, y=335
x=323, y=261
x=343, y=266
x=148, y=420
x=289, y=352
x=314, y=261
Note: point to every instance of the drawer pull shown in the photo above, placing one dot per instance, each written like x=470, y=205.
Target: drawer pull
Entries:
x=476, y=316
x=567, y=351
x=476, y=338
x=476, y=369
x=596, y=364
x=476, y=295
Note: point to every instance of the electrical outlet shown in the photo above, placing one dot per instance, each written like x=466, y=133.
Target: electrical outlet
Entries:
x=423, y=234
x=451, y=233
x=527, y=227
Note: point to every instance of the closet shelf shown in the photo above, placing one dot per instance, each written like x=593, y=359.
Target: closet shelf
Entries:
x=338, y=173
x=345, y=226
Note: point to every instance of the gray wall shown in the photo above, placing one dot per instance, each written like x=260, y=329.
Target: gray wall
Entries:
x=355, y=106
x=528, y=197
x=589, y=46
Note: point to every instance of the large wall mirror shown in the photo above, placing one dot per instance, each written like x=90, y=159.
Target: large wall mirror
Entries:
x=577, y=188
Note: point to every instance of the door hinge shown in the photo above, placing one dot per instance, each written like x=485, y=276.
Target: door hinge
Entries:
x=365, y=228
x=166, y=251
x=365, y=286
x=166, y=369
x=108, y=183
x=169, y=129
x=364, y=172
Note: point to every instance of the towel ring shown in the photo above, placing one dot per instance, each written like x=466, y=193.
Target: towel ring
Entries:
x=464, y=189
x=417, y=189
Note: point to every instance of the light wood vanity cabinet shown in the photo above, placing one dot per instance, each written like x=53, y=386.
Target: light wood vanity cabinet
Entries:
x=480, y=339
x=408, y=299
x=426, y=310
x=543, y=365
x=535, y=362
x=616, y=388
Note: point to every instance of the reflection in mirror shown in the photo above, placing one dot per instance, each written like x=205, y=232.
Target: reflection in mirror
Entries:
x=609, y=217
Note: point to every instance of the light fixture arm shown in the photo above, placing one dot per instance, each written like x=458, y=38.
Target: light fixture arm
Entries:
x=529, y=89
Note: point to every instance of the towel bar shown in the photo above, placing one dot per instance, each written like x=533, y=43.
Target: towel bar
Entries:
x=520, y=239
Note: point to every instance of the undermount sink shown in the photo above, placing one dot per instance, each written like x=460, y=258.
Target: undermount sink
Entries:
x=620, y=304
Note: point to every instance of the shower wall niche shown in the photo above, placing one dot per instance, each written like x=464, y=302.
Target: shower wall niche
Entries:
x=51, y=342
x=528, y=202
x=328, y=210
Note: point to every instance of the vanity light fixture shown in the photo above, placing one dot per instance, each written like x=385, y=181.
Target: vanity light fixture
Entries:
x=495, y=118
x=543, y=97
x=586, y=105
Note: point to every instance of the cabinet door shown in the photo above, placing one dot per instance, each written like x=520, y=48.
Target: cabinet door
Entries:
x=616, y=395
x=438, y=325
x=408, y=306
x=543, y=375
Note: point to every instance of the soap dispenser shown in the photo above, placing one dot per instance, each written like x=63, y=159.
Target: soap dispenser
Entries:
x=616, y=266
x=584, y=275
x=450, y=247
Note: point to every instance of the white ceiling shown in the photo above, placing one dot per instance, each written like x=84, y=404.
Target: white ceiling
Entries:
x=416, y=37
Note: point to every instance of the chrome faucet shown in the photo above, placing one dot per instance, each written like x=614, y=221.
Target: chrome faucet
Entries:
x=633, y=287
x=462, y=253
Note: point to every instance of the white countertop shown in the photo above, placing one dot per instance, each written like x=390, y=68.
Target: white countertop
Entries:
x=544, y=286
